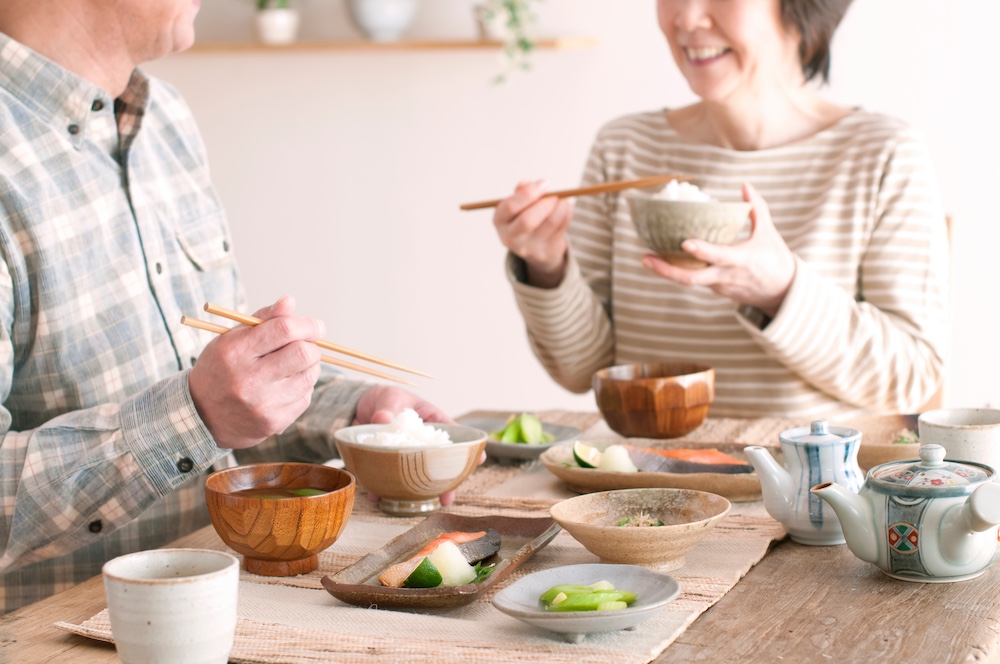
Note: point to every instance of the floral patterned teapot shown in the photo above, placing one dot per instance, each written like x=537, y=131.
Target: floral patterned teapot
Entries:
x=927, y=520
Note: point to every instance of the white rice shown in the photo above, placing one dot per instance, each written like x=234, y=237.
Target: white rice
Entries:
x=406, y=430
x=682, y=191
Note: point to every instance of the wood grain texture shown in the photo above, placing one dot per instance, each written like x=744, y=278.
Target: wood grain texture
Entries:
x=820, y=603
x=280, y=537
x=655, y=400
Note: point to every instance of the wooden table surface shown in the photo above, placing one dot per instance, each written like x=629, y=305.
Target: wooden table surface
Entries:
x=799, y=604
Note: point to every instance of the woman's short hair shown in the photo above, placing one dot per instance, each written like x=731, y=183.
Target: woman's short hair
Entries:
x=816, y=21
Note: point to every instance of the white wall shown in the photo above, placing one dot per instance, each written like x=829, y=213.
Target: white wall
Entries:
x=342, y=171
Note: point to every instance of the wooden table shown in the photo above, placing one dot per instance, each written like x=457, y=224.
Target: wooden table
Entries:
x=799, y=604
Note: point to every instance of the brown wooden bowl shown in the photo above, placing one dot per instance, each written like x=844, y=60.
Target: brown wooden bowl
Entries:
x=655, y=400
x=280, y=536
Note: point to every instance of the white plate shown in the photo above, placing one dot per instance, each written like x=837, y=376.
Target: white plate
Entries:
x=654, y=590
x=519, y=451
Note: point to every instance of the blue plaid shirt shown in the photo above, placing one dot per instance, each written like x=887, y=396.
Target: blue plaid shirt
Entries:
x=110, y=230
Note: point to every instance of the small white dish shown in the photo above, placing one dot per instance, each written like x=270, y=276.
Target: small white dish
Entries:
x=655, y=591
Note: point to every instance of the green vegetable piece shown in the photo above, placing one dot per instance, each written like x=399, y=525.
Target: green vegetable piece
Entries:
x=588, y=601
x=567, y=588
x=531, y=429
x=512, y=433
x=483, y=570
x=601, y=585
x=612, y=606
x=426, y=575
x=307, y=492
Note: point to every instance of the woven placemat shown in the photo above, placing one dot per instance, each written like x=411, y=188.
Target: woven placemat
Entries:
x=294, y=620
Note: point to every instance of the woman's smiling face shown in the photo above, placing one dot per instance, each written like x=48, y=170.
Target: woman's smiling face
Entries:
x=727, y=48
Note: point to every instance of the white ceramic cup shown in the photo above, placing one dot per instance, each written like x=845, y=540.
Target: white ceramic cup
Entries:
x=173, y=606
x=966, y=434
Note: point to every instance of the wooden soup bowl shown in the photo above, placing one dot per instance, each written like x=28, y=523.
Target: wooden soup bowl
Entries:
x=656, y=400
x=280, y=536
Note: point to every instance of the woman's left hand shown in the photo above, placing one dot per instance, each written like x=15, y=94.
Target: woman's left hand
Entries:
x=756, y=272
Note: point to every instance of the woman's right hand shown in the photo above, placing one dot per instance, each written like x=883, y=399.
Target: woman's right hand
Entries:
x=533, y=227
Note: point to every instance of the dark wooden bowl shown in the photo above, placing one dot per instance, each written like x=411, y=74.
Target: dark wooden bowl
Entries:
x=280, y=536
x=655, y=400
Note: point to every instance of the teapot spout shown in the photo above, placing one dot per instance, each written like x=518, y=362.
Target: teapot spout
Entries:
x=959, y=528
x=776, y=484
x=856, y=519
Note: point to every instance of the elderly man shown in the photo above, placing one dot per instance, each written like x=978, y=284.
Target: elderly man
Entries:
x=110, y=230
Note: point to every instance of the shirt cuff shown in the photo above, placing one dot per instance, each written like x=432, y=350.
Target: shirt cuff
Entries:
x=792, y=319
x=163, y=430
x=517, y=274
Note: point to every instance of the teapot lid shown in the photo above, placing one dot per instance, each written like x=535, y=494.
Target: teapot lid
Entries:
x=819, y=431
x=931, y=473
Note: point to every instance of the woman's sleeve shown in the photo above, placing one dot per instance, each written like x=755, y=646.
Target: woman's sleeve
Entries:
x=883, y=346
x=569, y=327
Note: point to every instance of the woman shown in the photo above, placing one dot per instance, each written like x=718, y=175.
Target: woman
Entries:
x=834, y=305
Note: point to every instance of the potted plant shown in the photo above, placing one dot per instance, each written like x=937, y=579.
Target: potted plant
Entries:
x=510, y=22
x=277, y=21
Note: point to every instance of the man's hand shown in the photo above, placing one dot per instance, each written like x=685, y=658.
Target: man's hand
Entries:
x=253, y=382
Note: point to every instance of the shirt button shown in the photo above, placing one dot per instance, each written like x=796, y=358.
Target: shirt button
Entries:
x=159, y=268
x=225, y=245
x=95, y=526
x=98, y=105
x=73, y=129
x=193, y=359
x=185, y=465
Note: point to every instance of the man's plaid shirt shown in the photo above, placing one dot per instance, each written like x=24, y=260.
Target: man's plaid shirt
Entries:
x=110, y=230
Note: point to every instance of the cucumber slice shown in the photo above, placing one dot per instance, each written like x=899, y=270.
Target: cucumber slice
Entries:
x=601, y=585
x=585, y=455
x=612, y=606
x=531, y=429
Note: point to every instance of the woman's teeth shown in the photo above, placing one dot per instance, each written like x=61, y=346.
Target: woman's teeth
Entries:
x=705, y=53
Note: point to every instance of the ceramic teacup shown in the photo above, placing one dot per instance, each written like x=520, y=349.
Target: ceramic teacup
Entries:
x=172, y=606
x=966, y=434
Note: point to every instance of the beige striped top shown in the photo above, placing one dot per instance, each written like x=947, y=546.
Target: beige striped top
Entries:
x=863, y=327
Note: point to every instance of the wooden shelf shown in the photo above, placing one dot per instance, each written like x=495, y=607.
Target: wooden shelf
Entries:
x=551, y=43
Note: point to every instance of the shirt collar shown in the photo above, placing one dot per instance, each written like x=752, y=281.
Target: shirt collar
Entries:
x=55, y=92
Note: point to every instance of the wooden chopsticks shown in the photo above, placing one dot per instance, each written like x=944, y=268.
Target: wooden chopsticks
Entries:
x=252, y=320
x=603, y=188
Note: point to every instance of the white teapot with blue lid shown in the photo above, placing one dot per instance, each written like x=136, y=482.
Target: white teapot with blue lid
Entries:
x=813, y=454
x=929, y=520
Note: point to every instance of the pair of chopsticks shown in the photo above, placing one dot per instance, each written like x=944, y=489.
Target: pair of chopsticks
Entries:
x=252, y=320
x=603, y=188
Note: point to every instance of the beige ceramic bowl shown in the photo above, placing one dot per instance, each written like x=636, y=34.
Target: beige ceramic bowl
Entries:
x=654, y=400
x=663, y=225
x=410, y=480
x=687, y=516
x=279, y=536
x=877, y=435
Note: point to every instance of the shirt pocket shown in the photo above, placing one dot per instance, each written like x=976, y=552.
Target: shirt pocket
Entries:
x=206, y=243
